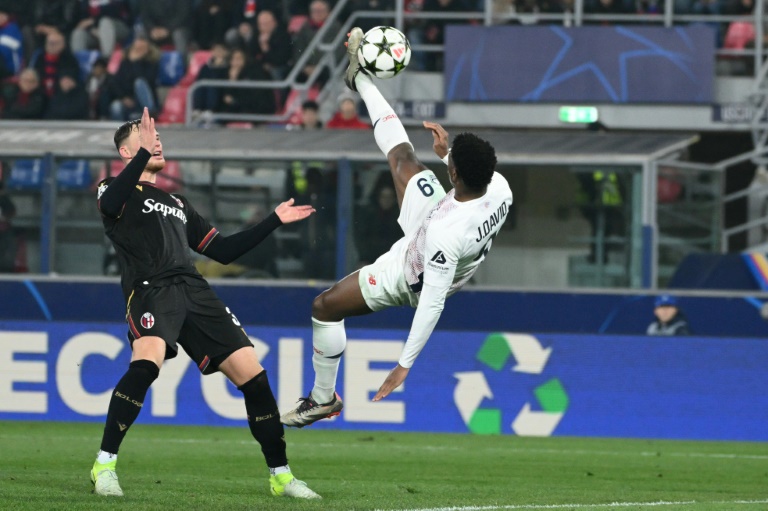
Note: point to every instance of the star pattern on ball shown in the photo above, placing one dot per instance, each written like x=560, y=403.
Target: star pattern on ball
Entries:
x=384, y=45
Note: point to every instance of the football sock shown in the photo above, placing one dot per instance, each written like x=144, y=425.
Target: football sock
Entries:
x=285, y=469
x=264, y=419
x=387, y=128
x=104, y=457
x=126, y=402
x=328, y=340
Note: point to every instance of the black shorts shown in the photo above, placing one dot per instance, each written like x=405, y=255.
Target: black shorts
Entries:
x=192, y=316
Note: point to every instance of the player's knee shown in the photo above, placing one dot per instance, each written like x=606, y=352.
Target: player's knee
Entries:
x=319, y=307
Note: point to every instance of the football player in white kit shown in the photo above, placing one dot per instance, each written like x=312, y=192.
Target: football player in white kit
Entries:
x=447, y=236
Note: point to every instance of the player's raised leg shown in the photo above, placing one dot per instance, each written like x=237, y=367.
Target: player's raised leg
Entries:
x=329, y=339
x=387, y=129
x=124, y=407
x=244, y=370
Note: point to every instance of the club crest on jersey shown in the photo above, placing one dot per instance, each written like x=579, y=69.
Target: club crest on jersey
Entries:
x=178, y=201
x=147, y=320
x=100, y=191
x=371, y=279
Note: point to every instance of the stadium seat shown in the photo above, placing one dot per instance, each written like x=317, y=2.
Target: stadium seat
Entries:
x=174, y=107
x=114, y=61
x=738, y=35
x=74, y=175
x=196, y=62
x=171, y=68
x=86, y=58
x=25, y=175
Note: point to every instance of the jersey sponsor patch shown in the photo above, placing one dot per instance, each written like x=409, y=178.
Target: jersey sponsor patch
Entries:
x=439, y=257
x=147, y=320
x=150, y=205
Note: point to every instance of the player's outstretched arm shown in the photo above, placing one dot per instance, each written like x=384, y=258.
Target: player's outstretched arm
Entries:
x=112, y=198
x=226, y=249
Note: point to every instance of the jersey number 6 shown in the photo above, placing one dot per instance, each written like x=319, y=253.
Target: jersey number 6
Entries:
x=425, y=187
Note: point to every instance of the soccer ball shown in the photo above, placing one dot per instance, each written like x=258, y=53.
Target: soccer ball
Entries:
x=384, y=52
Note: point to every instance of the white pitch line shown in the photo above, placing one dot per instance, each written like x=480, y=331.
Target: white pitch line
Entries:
x=582, y=506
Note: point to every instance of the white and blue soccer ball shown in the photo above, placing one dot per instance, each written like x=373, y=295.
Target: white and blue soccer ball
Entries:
x=384, y=52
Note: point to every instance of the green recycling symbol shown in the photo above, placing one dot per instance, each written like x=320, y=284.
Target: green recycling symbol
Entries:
x=472, y=388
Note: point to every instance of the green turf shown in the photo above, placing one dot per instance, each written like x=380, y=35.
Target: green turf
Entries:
x=45, y=466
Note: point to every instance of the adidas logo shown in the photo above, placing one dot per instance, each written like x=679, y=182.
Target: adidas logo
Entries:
x=439, y=257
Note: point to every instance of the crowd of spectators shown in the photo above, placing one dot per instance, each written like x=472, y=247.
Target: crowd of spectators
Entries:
x=100, y=59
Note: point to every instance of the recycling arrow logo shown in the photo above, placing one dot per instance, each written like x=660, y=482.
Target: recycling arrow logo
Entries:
x=531, y=358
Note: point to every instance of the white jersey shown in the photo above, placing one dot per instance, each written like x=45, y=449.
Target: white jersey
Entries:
x=454, y=238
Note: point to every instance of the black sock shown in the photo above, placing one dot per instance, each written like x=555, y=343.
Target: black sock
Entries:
x=126, y=402
x=264, y=419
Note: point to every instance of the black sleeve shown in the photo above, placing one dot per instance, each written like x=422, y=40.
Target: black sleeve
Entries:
x=225, y=249
x=113, y=197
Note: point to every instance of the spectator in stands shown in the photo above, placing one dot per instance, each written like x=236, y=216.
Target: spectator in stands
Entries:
x=670, y=320
x=376, y=228
x=434, y=29
x=310, y=116
x=372, y=5
x=607, y=7
x=318, y=15
x=167, y=22
x=25, y=99
x=272, y=45
x=101, y=25
x=346, y=117
x=211, y=20
x=10, y=45
x=208, y=99
x=738, y=7
x=55, y=61
x=246, y=100
x=246, y=14
x=69, y=102
x=94, y=86
x=42, y=17
x=132, y=88
x=8, y=245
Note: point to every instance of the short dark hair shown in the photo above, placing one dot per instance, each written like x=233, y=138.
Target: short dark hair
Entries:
x=474, y=159
x=124, y=131
x=310, y=105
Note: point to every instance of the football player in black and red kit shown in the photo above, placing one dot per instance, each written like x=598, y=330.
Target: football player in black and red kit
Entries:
x=168, y=303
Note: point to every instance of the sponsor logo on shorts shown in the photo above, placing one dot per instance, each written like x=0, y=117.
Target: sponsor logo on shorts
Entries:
x=371, y=279
x=147, y=320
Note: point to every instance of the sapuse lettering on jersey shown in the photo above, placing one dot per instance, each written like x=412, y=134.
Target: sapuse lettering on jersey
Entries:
x=150, y=205
x=495, y=219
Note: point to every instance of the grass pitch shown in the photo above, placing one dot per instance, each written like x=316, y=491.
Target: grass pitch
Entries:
x=44, y=466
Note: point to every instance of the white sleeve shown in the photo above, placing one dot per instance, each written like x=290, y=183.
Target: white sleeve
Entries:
x=439, y=268
x=427, y=313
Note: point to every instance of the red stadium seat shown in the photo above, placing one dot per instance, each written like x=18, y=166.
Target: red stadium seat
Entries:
x=196, y=62
x=114, y=61
x=174, y=107
x=738, y=35
x=293, y=104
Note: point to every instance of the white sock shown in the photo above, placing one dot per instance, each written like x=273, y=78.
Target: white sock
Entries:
x=328, y=340
x=387, y=128
x=105, y=457
x=285, y=469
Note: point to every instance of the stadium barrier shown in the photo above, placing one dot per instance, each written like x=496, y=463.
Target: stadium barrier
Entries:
x=480, y=382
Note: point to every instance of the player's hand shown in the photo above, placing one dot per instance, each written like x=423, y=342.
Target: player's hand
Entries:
x=440, y=138
x=395, y=378
x=147, y=134
x=288, y=213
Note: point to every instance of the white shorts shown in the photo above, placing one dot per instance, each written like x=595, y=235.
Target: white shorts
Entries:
x=383, y=282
